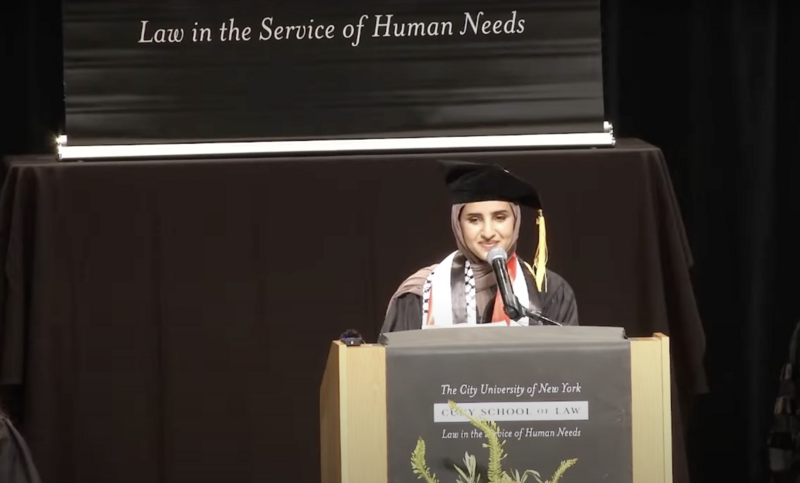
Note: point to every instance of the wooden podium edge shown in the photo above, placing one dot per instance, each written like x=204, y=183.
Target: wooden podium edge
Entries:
x=354, y=389
x=666, y=376
x=651, y=408
x=329, y=420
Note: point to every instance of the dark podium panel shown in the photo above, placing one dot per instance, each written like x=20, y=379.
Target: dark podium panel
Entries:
x=488, y=403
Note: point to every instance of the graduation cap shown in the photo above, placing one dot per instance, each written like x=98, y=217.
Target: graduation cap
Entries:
x=474, y=182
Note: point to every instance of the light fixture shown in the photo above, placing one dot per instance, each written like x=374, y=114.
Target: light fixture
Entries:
x=322, y=146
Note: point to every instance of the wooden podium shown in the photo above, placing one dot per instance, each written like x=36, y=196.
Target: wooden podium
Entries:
x=353, y=429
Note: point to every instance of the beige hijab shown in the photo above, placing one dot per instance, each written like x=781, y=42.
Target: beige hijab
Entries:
x=484, y=275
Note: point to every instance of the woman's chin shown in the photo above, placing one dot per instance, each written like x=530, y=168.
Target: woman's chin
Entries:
x=483, y=252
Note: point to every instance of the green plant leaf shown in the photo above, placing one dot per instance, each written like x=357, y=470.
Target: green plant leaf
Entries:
x=495, y=472
x=418, y=464
x=490, y=429
x=464, y=478
x=565, y=465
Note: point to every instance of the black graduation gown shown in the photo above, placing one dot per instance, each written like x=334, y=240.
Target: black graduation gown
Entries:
x=558, y=304
x=16, y=462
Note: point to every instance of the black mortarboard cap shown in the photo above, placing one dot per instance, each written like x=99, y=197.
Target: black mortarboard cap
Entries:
x=472, y=182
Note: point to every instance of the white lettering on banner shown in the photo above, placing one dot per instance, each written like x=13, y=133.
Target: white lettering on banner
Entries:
x=387, y=28
x=487, y=27
x=160, y=36
x=514, y=411
x=310, y=31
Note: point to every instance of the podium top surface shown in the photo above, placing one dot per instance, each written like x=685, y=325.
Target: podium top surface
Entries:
x=502, y=336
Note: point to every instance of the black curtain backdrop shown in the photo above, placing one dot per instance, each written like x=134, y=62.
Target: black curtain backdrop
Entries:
x=714, y=85
x=711, y=83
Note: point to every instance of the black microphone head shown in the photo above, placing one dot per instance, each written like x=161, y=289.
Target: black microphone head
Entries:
x=496, y=253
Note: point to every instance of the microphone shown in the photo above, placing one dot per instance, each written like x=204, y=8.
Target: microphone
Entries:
x=498, y=258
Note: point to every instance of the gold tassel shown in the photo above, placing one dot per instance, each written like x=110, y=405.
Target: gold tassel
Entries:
x=540, y=259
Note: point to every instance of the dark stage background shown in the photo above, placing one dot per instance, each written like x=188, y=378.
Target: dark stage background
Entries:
x=183, y=310
x=714, y=86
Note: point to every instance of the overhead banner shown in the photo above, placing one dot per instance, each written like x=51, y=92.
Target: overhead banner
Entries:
x=187, y=71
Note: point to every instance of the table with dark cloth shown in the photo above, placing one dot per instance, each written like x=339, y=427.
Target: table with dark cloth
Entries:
x=169, y=321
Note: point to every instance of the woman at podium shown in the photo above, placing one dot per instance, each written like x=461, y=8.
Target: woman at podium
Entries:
x=462, y=288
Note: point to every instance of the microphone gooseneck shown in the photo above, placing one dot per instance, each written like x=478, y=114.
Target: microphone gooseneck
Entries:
x=541, y=318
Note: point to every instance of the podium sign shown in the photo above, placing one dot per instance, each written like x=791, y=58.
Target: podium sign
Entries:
x=400, y=411
x=150, y=72
x=550, y=400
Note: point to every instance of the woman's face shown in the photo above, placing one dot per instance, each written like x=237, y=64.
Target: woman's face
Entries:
x=487, y=224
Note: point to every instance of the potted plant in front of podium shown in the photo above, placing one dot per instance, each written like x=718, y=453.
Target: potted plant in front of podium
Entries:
x=494, y=471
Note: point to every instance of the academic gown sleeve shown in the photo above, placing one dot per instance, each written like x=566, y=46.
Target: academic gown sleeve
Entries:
x=404, y=313
x=559, y=301
x=16, y=462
